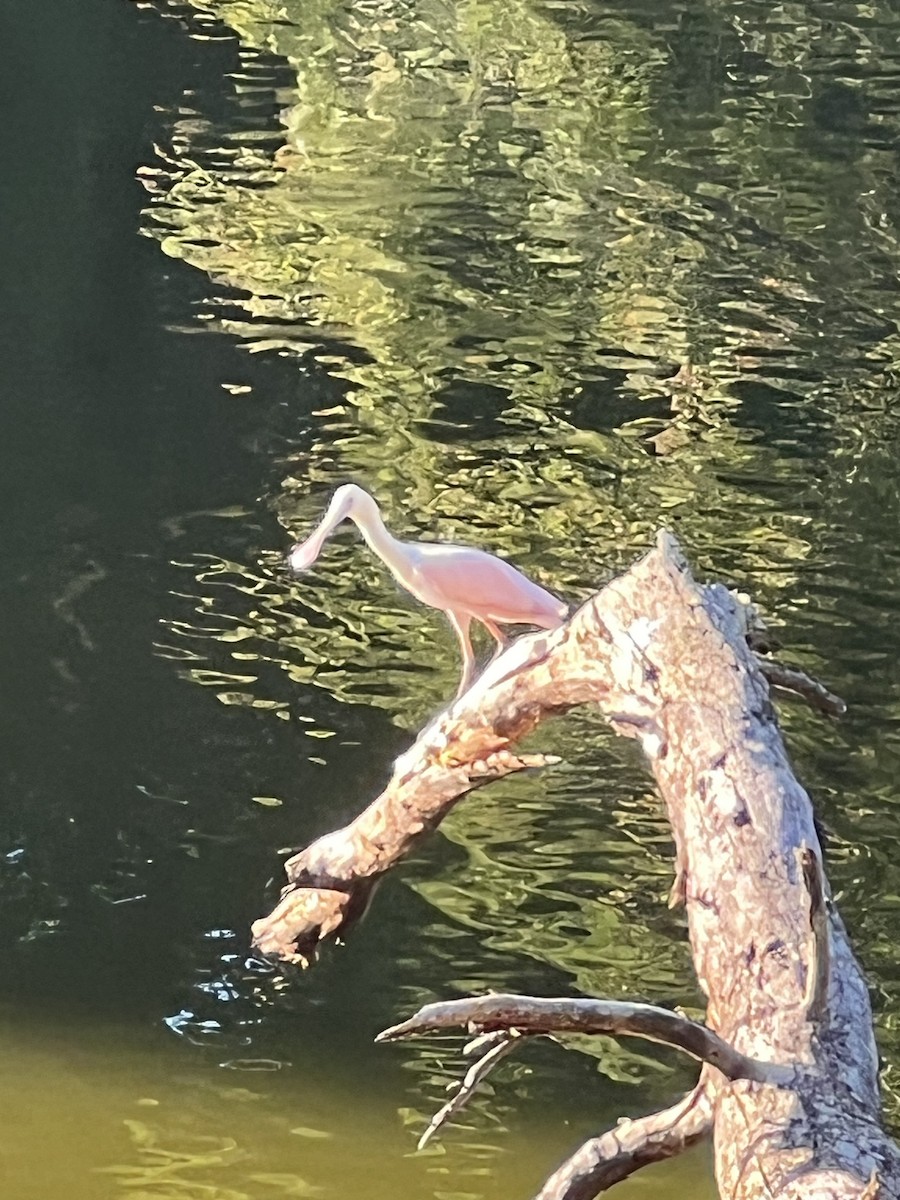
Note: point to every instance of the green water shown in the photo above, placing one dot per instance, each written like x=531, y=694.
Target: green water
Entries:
x=457, y=253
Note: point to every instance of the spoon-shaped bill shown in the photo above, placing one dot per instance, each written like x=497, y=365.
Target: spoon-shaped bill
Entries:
x=304, y=554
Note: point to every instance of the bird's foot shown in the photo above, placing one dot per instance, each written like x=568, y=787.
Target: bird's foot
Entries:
x=447, y=758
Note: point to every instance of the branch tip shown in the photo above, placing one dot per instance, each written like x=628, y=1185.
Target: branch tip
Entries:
x=790, y=679
x=501, y=1046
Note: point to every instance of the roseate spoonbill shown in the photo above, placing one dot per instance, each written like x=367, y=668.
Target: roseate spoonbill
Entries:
x=465, y=583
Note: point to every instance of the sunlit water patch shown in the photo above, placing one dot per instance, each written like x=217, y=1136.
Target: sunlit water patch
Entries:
x=570, y=275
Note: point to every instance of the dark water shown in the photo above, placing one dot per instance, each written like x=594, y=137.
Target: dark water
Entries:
x=458, y=254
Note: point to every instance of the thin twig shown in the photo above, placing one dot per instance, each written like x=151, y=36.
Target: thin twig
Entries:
x=792, y=680
x=504, y=1045
x=530, y=1014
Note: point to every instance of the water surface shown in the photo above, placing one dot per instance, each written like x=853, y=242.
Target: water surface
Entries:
x=542, y=278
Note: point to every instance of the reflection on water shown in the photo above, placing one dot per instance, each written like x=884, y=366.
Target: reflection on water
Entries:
x=133, y=1117
x=572, y=273
x=542, y=278
x=128, y=1130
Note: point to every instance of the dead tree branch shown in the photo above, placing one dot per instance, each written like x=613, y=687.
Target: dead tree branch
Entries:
x=330, y=882
x=790, y=679
x=497, y=1049
x=616, y=1018
x=668, y=663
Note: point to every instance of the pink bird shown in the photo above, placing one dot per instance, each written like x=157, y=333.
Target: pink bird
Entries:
x=466, y=584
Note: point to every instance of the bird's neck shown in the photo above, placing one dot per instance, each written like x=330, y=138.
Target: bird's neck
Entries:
x=379, y=538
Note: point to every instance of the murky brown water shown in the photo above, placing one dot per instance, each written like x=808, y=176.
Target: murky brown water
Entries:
x=542, y=278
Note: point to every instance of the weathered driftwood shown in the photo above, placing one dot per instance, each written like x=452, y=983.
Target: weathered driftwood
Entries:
x=667, y=661
x=533, y=1015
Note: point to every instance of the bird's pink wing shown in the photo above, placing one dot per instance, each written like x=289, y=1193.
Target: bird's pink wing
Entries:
x=465, y=580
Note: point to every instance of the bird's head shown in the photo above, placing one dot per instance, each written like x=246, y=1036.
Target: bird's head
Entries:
x=348, y=501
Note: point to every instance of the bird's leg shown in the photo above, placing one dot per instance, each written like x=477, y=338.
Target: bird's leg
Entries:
x=446, y=756
x=461, y=628
x=498, y=635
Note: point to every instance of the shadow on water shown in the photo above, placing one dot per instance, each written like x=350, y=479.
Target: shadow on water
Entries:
x=542, y=278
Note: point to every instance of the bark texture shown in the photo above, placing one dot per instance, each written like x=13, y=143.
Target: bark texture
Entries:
x=667, y=661
x=529, y=1015
x=742, y=826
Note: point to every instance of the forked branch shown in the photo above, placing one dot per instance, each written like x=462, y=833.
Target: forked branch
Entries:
x=496, y=1047
x=616, y=1018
